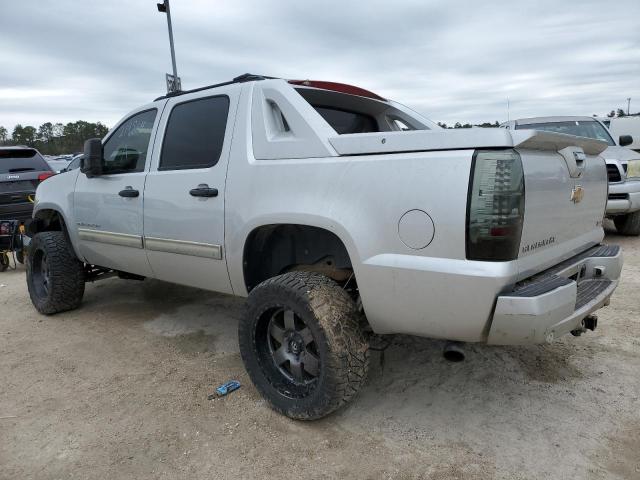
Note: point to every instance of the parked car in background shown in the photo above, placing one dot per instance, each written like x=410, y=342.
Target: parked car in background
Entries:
x=22, y=169
x=622, y=126
x=59, y=163
x=623, y=165
x=75, y=163
x=339, y=214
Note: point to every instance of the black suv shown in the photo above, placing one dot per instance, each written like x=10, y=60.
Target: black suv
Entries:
x=21, y=170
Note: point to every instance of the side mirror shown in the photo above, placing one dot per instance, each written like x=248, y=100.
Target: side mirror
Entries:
x=625, y=140
x=91, y=164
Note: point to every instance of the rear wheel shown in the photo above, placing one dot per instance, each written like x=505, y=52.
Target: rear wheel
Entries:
x=628, y=224
x=55, y=276
x=302, y=345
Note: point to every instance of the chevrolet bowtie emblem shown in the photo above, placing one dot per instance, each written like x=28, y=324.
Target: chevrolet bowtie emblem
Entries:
x=577, y=194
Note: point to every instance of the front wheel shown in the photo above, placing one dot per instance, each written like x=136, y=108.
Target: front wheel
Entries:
x=55, y=276
x=628, y=224
x=302, y=346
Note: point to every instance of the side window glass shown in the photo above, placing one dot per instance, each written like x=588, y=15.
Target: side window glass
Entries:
x=195, y=134
x=401, y=125
x=126, y=149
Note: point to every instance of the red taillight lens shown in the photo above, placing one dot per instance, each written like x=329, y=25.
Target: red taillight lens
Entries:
x=495, y=206
x=43, y=176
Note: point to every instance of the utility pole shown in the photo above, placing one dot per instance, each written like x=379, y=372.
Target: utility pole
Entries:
x=173, y=81
x=628, y=105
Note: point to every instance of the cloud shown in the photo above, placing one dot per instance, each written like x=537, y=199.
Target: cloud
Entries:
x=65, y=60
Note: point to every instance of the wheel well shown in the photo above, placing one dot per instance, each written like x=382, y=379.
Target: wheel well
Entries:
x=274, y=249
x=47, y=221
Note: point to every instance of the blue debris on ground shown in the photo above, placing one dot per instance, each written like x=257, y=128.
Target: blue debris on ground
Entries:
x=225, y=389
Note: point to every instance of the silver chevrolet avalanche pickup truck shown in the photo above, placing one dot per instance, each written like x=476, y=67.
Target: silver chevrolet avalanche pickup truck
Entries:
x=339, y=215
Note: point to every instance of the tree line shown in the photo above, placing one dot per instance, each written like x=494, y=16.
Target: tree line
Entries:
x=54, y=138
x=469, y=125
x=620, y=113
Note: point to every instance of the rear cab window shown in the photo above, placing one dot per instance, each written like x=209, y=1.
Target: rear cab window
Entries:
x=194, y=135
x=344, y=121
x=18, y=160
x=348, y=114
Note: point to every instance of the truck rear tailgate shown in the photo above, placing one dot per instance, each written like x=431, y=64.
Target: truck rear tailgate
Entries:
x=565, y=182
x=563, y=214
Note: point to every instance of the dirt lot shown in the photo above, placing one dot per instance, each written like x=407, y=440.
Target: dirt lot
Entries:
x=118, y=389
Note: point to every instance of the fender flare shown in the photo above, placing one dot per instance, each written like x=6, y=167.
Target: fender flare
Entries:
x=38, y=224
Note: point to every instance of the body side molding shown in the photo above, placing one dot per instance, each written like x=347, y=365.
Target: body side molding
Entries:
x=112, y=238
x=182, y=247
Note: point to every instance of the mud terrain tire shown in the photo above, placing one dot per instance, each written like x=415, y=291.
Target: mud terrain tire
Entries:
x=298, y=316
x=55, y=276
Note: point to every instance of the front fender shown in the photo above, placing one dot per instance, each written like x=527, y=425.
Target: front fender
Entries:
x=42, y=210
x=56, y=195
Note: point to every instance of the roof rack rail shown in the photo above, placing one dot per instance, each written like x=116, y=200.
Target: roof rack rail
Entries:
x=246, y=77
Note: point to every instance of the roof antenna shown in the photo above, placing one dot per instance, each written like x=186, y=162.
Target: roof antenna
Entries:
x=508, y=111
x=173, y=81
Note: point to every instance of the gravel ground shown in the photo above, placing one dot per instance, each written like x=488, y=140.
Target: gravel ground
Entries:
x=118, y=389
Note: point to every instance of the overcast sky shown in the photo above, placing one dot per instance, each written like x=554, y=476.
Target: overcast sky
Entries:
x=66, y=60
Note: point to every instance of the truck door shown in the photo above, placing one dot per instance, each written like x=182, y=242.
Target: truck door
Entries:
x=184, y=192
x=108, y=208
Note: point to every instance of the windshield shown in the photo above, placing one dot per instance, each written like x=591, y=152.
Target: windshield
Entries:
x=16, y=160
x=580, y=128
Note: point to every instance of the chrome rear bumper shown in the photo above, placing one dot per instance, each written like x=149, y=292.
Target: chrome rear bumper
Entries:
x=555, y=302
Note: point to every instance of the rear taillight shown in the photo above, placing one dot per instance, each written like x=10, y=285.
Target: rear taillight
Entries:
x=43, y=176
x=495, y=207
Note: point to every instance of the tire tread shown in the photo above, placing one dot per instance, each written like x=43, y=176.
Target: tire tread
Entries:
x=66, y=274
x=338, y=318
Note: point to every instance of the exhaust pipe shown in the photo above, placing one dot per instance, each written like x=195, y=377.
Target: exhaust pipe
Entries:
x=453, y=351
x=590, y=322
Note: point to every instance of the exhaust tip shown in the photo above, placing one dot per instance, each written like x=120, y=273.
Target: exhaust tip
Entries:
x=590, y=322
x=453, y=351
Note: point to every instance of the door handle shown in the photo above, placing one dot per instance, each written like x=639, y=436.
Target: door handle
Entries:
x=203, y=190
x=129, y=192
